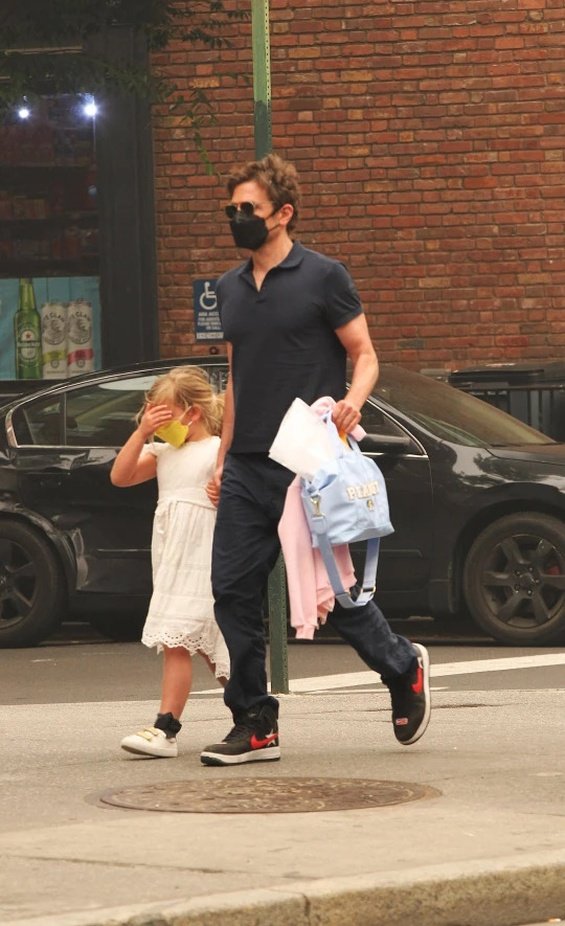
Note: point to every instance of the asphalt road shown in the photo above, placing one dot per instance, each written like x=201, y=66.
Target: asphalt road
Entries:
x=491, y=751
x=81, y=666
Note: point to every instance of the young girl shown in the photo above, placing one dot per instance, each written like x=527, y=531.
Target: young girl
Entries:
x=182, y=407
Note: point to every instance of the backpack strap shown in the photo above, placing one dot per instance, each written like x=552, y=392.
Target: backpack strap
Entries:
x=369, y=575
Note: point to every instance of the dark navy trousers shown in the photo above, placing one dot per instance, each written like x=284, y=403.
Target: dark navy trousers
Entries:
x=246, y=547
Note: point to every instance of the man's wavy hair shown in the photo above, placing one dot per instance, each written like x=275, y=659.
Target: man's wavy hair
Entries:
x=278, y=178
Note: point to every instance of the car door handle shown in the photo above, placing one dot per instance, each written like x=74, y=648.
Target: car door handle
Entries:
x=47, y=480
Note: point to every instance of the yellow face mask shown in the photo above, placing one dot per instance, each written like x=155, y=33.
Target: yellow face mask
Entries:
x=174, y=432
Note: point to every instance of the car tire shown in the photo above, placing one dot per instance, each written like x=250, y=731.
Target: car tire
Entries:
x=120, y=628
x=31, y=586
x=514, y=579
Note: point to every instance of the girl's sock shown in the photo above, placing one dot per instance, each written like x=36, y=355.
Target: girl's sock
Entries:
x=168, y=724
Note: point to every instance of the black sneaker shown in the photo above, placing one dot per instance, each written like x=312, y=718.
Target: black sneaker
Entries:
x=410, y=697
x=254, y=738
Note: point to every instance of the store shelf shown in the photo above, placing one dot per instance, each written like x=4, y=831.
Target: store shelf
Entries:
x=49, y=268
x=82, y=219
x=7, y=169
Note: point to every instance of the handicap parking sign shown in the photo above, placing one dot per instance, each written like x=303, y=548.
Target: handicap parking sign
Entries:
x=207, y=324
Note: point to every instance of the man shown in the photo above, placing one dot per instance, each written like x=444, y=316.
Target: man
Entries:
x=291, y=318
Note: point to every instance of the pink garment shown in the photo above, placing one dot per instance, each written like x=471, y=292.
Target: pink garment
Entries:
x=309, y=589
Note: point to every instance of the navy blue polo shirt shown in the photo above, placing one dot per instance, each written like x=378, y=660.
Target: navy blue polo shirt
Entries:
x=283, y=339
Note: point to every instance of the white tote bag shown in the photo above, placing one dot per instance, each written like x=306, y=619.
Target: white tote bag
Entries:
x=302, y=443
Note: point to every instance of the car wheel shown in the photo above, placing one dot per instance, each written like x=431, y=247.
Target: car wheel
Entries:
x=31, y=591
x=122, y=629
x=514, y=579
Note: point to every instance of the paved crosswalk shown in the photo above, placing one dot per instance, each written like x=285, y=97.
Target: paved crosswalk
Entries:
x=348, y=680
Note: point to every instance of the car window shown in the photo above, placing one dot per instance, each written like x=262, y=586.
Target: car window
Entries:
x=218, y=375
x=103, y=415
x=374, y=421
x=40, y=422
x=451, y=414
x=99, y=414
x=96, y=415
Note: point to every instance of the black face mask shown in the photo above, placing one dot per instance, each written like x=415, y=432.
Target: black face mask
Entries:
x=249, y=231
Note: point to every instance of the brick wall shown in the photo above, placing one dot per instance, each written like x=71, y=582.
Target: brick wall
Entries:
x=430, y=138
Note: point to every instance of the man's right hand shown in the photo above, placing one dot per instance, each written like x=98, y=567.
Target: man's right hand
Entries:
x=213, y=487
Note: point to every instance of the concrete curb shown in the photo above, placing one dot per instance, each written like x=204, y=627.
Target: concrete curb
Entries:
x=504, y=892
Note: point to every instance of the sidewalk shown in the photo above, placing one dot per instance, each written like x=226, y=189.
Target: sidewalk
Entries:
x=489, y=850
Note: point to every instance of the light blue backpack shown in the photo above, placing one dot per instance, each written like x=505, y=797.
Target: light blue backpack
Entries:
x=345, y=501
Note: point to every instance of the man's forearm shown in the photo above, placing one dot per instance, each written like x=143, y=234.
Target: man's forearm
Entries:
x=365, y=375
x=227, y=423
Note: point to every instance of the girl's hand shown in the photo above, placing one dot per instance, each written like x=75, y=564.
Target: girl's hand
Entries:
x=153, y=417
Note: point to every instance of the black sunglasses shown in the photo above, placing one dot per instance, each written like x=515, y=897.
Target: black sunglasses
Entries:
x=247, y=208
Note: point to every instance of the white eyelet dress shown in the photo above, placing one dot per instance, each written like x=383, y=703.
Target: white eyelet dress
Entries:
x=181, y=611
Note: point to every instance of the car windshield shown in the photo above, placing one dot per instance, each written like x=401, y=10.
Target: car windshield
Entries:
x=451, y=414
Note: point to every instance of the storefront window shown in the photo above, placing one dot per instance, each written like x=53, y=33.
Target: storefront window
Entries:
x=49, y=250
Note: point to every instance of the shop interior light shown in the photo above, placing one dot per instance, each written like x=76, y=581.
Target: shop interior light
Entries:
x=90, y=108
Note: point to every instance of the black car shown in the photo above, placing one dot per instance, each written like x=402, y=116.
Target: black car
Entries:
x=477, y=501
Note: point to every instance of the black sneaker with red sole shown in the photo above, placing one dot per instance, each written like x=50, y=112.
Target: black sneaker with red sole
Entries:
x=410, y=698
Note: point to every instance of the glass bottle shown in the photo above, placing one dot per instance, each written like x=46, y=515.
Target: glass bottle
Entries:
x=27, y=334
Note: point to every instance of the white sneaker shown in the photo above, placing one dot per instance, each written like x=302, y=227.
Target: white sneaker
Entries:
x=151, y=742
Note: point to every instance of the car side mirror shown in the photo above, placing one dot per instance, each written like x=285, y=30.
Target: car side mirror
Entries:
x=385, y=443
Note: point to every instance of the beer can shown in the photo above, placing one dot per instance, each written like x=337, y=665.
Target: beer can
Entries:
x=54, y=340
x=80, y=349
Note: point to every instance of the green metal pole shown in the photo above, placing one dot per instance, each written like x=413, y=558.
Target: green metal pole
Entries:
x=263, y=146
x=278, y=629
x=261, y=76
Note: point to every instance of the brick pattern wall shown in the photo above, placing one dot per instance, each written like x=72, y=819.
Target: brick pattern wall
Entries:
x=430, y=139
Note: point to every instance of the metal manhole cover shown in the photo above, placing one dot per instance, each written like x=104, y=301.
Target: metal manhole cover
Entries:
x=267, y=795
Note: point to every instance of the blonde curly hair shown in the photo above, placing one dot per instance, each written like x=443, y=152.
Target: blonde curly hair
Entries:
x=188, y=387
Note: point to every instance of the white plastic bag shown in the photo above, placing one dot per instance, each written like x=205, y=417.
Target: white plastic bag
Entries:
x=302, y=443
